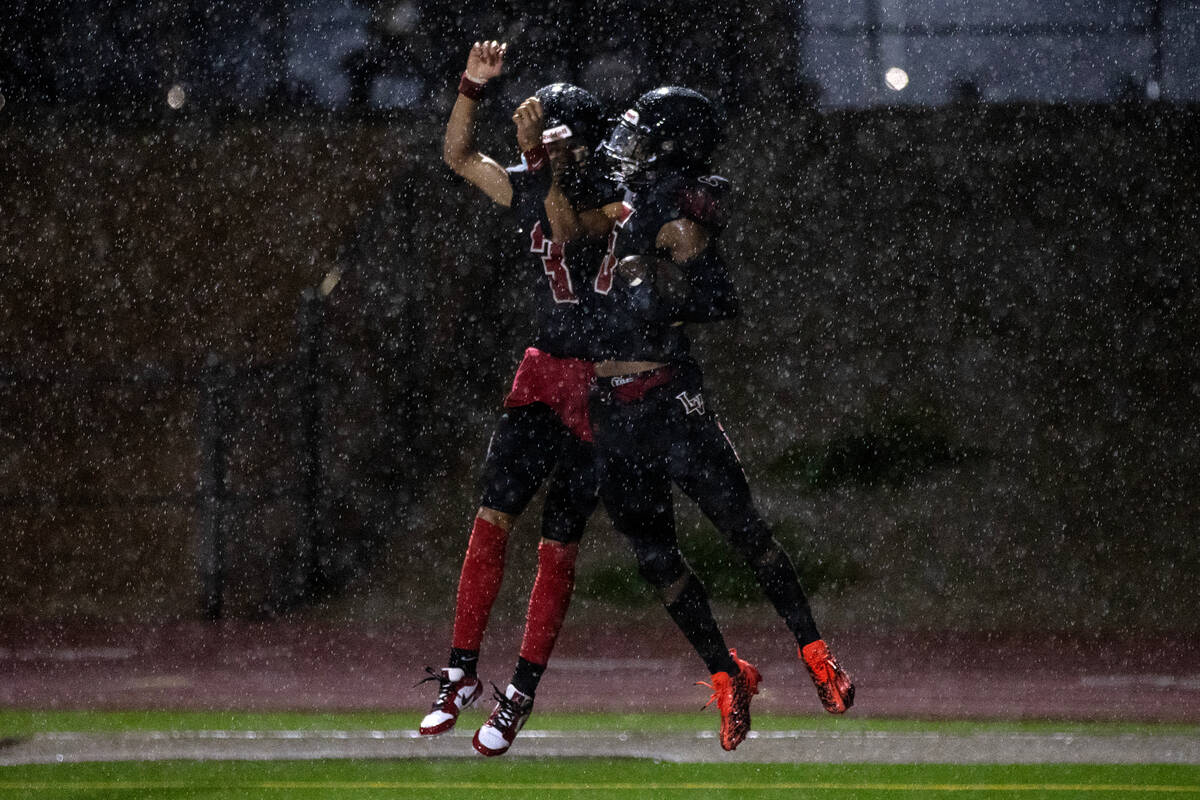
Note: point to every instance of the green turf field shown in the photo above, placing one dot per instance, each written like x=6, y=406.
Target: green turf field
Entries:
x=587, y=778
x=544, y=778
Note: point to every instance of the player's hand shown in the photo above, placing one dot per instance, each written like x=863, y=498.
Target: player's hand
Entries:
x=528, y=118
x=485, y=61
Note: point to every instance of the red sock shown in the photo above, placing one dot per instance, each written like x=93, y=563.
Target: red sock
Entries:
x=479, y=583
x=549, y=599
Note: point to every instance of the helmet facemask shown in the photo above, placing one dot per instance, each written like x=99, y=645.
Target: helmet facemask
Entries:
x=635, y=151
x=627, y=148
x=571, y=168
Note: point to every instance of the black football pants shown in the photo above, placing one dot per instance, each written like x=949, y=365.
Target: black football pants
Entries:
x=529, y=445
x=670, y=436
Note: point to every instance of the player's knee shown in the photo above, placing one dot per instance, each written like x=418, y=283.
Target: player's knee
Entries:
x=498, y=518
x=563, y=528
x=661, y=567
x=771, y=556
x=569, y=533
x=566, y=522
x=754, y=542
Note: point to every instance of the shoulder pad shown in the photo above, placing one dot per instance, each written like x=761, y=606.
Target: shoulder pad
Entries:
x=701, y=200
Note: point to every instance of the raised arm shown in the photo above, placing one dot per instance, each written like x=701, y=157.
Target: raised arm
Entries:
x=565, y=225
x=458, y=149
x=529, y=119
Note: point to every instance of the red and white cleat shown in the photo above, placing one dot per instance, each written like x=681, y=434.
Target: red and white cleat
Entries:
x=496, y=735
x=456, y=691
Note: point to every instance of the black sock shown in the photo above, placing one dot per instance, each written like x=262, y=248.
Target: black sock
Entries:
x=777, y=577
x=466, y=660
x=526, y=676
x=692, y=614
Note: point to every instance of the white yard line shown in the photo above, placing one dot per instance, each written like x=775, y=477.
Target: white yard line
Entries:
x=798, y=746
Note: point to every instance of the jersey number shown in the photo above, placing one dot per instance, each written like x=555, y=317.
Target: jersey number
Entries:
x=604, y=277
x=554, y=264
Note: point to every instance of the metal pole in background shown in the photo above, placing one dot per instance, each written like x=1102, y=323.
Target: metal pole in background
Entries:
x=212, y=420
x=803, y=42
x=309, y=517
x=873, y=23
x=1154, y=86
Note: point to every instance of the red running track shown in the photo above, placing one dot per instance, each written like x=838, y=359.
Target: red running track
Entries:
x=615, y=667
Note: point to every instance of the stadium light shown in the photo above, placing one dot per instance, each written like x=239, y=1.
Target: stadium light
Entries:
x=896, y=79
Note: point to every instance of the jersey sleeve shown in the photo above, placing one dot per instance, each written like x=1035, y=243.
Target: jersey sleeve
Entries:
x=530, y=186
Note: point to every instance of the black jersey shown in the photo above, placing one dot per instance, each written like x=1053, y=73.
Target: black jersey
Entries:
x=562, y=281
x=630, y=321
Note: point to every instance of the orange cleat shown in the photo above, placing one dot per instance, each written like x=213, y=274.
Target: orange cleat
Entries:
x=732, y=695
x=834, y=686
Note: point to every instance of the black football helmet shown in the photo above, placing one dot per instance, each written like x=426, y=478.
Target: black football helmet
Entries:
x=574, y=116
x=569, y=112
x=668, y=128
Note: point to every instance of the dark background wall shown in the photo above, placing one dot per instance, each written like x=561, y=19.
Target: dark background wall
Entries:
x=965, y=384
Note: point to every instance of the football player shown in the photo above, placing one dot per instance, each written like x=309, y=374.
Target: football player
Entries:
x=652, y=423
x=544, y=432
